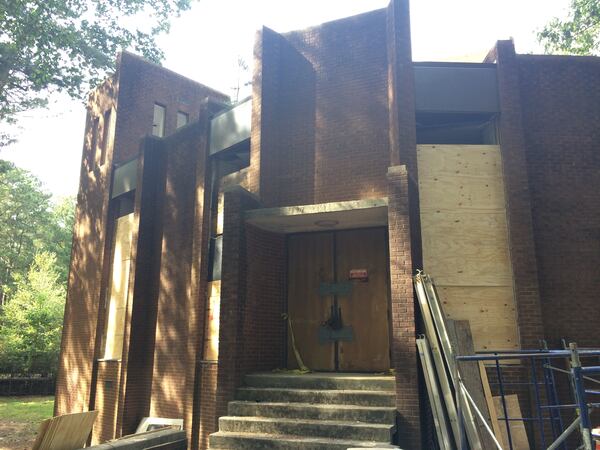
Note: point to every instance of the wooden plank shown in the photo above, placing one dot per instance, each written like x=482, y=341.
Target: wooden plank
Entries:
x=465, y=249
x=465, y=238
x=310, y=262
x=467, y=160
x=518, y=433
x=119, y=287
x=211, y=338
x=462, y=343
x=365, y=308
x=66, y=432
x=448, y=353
x=432, y=337
x=490, y=311
x=440, y=418
x=461, y=193
x=490, y=403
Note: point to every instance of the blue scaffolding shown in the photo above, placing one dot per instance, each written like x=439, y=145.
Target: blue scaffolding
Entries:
x=542, y=383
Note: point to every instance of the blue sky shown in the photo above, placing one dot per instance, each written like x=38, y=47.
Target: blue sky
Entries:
x=205, y=43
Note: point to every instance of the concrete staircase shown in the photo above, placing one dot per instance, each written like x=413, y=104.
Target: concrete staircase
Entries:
x=309, y=412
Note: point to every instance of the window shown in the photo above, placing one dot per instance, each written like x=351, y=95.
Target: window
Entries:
x=158, y=123
x=93, y=142
x=105, y=136
x=182, y=119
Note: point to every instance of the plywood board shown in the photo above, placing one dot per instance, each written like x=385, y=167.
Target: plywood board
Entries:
x=490, y=403
x=459, y=332
x=518, y=433
x=466, y=160
x=490, y=311
x=211, y=337
x=66, y=432
x=465, y=239
x=365, y=308
x=310, y=262
x=119, y=287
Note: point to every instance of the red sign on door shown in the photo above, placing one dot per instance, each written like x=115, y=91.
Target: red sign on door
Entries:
x=359, y=275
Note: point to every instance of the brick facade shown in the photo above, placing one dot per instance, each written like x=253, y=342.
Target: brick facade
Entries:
x=333, y=119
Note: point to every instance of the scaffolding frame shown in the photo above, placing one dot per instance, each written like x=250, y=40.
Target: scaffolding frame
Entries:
x=549, y=413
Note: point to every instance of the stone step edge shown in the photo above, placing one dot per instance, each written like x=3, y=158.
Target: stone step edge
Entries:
x=300, y=405
x=314, y=376
x=328, y=391
x=300, y=439
x=309, y=422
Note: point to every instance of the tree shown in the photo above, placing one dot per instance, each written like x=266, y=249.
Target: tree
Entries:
x=70, y=45
x=30, y=223
x=579, y=34
x=31, y=323
x=24, y=217
x=57, y=237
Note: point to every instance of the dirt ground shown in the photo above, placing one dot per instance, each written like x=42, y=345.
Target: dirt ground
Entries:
x=17, y=435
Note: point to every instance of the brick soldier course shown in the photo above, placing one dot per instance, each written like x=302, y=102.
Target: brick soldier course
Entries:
x=333, y=120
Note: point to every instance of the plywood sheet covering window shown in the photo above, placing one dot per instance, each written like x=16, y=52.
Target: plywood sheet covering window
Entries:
x=465, y=239
x=211, y=340
x=119, y=288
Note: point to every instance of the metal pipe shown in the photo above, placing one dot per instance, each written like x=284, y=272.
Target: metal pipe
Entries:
x=485, y=424
x=549, y=354
x=565, y=434
x=504, y=408
x=537, y=401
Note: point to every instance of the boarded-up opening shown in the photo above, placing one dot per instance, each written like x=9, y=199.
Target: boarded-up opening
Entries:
x=465, y=239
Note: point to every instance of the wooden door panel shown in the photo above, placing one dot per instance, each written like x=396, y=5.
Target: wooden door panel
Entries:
x=366, y=308
x=310, y=262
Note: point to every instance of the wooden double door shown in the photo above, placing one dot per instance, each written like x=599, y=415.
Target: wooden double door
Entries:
x=338, y=300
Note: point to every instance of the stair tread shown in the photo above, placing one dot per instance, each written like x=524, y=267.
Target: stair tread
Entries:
x=324, y=376
x=305, y=439
x=328, y=391
x=300, y=405
x=308, y=421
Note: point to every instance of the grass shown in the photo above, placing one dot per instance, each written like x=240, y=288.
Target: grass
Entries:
x=26, y=409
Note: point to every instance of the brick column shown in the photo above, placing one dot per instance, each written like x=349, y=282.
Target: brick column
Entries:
x=404, y=351
x=233, y=294
x=516, y=182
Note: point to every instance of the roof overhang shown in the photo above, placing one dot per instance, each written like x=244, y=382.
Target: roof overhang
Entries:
x=320, y=217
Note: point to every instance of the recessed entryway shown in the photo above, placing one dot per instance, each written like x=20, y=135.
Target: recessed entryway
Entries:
x=337, y=300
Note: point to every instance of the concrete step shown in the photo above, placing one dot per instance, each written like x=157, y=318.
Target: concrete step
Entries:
x=250, y=441
x=340, y=397
x=321, y=381
x=304, y=427
x=367, y=414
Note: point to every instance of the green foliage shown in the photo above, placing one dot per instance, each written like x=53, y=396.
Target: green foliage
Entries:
x=24, y=214
x=30, y=223
x=31, y=323
x=69, y=45
x=579, y=34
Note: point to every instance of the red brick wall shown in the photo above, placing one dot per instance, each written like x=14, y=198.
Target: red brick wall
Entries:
x=287, y=151
x=404, y=353
x=174, y=299
x=106, y=401
x=344, y=153
x=515, y=173
x=251, y=333
x=74, y=386
x=560, y=100
x=141, y=85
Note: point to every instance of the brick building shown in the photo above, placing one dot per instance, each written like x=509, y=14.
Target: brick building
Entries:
x=202, y=226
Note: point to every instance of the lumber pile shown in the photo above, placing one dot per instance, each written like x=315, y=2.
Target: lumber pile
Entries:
x=461, y=401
